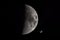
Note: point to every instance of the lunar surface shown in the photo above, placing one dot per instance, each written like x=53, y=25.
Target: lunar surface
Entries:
x=31, y=19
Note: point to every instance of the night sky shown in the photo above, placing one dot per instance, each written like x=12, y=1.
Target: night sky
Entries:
x=12, y=18
x=49, y=19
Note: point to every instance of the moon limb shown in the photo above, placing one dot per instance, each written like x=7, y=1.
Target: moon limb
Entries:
x=31, y=20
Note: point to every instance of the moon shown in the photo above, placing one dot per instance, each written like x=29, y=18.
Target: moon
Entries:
x=31, y=21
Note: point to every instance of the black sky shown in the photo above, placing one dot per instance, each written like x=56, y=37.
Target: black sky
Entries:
x=48, y=19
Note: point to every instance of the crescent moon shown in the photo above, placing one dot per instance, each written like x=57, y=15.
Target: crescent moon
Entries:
x=31, y=19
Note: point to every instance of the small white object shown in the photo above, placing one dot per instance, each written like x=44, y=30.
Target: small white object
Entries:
x=41, y=31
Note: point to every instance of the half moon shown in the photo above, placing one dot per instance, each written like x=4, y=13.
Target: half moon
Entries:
x=31, y=21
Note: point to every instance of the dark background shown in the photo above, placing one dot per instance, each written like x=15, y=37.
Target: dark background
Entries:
x=49, y=18
x=48, y=12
